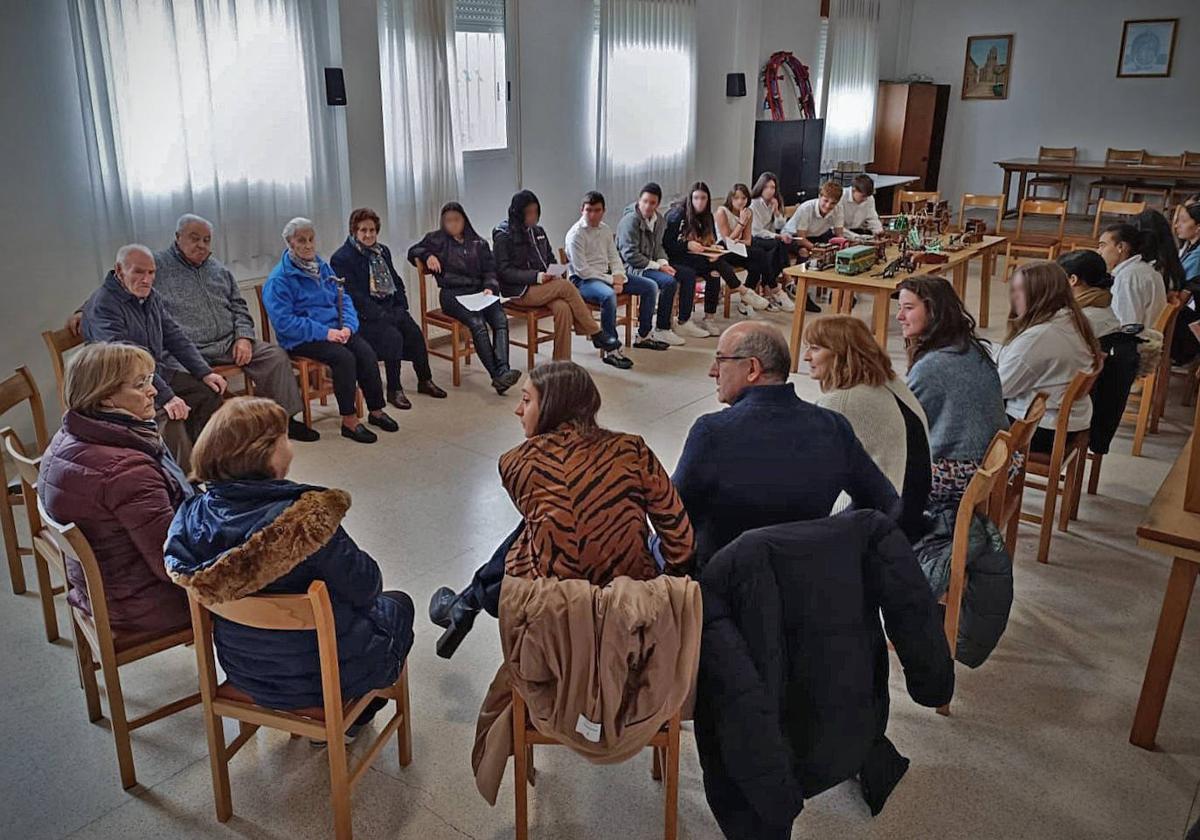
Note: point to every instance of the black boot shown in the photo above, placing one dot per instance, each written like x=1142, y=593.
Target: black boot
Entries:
x=810, y=305
x=446, y=609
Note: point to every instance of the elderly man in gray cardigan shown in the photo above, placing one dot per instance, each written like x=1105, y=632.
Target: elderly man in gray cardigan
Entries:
x=203, y=298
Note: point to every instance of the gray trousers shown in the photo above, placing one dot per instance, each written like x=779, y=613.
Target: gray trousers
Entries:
x=271, y=372
x=179, y=435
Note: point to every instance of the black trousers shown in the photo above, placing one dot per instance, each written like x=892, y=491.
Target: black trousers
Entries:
x=1042, y=440
x=492, y=349
x=396, y=337
x=713, y=273
x=776, y=255
x=354, y=365
x=760, y=265
x=483, y=592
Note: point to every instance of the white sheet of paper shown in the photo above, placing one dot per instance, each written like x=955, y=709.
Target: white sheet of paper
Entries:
x=478, y=301
x=738, y=248
x=556, y=270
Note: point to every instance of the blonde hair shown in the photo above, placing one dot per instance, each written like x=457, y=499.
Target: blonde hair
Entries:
x=832, y=189
x=99, y=370
x=858, y=359
x=238, y=440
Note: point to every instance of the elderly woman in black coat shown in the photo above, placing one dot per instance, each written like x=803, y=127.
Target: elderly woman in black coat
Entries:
x=378, y=294
x=462, y=263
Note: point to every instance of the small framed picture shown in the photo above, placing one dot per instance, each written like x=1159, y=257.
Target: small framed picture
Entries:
x=987, y=67
x=1147, y=47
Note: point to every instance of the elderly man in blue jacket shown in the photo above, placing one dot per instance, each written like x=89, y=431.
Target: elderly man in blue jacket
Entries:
x=770, y=457
x=126, y=308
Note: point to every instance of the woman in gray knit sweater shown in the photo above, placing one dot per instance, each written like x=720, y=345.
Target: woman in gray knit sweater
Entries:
x=951, y=373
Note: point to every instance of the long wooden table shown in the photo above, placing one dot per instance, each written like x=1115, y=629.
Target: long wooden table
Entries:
x=1170, y=529
x=881, y=288
x=1023, y=167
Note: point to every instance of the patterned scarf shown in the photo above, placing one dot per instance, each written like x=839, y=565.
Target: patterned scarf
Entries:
x=382, y=283
x=148, y=430
x=310, y=267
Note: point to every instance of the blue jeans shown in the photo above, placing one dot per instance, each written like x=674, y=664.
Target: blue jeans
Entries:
x=599, y=292
x=665, y=285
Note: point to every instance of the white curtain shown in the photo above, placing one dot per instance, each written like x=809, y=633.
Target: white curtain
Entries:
x=213, y=107
x=853, y=82
x=646, y=120
x=424, y=165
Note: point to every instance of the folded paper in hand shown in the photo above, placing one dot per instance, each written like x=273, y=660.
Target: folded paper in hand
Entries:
x=478, y=301
x=556, y=270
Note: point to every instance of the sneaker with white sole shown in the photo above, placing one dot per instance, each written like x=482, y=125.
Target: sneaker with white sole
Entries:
x=744, y=309
x=667, y=337
x=773, y=305
x=785, y=303
x=711, y=325
x=691, y=329
x=754, y=298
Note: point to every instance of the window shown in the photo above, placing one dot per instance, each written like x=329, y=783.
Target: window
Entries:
x=481, y=75
x=207, y=90
x=649, y=103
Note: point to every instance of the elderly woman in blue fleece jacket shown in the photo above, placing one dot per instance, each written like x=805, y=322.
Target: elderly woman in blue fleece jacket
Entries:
x=314, y=318
x=253, y=531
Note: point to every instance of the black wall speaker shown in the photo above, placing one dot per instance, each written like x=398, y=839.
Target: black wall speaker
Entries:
x=735, y=84
x=335, y=86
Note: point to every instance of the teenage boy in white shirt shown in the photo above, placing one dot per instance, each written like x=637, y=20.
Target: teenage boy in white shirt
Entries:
x=859, y=215
x=818, y=219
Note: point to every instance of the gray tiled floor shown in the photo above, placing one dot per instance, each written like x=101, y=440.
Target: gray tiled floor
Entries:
x=1036, y=748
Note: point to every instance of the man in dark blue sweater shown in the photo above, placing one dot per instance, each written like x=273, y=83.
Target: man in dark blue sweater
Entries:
x=770, y=457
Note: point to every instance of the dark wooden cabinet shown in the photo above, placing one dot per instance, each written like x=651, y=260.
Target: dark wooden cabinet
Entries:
x=910, y=125
x=792, y=150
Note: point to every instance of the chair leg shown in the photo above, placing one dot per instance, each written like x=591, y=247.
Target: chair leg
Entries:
x=1094, y=475
x=120, y=727
x=404, y=734
x=986, y=266
x=87, y=674
x=1077, y=489
x=1145, y=404
x=306, y=398
x=1162, y=384
x=456, y=376
x=1047, y=523
x=520, y=772
x=219, y=765
x=671, y=772
x=1070, y=482
x=358, y=402
x=629, y=322
x=531, y=341
x=656, y=764
x=16, y=570
x=339, y=785
x=46, y=596
x=1010, y=535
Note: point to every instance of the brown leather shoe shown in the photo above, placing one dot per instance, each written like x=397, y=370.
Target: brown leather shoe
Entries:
x=430, y=389
x=399, y=399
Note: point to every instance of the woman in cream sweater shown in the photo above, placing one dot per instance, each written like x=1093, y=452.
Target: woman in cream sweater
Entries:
x=857, y=381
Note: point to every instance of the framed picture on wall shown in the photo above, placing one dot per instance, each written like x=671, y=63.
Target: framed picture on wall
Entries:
x=1147, y=47
x=987, y=67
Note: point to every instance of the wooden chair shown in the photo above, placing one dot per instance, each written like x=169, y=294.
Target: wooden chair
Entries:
x=1024, y=243
x=1143, y=190
x=1097, y=189
x=27, y=472
x=316, y=382
x=1183, y=189
x=1005, y=508
x=96, y=648
x=1162, y=382
x=624, y=303
x=328, y=722
x=1104, y=207
x=665, y=763
x=975, y=499
x=535, y=333
x=461, y=345
x=1061, y=184
x=1062, y=468
x=59, y=342
x=1139, y=409
x=988, y=264
x=16, y=389
x=905, y=200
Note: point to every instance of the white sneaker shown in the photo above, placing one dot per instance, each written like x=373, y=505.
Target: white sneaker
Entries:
x=691, y=329
x=667, y=337
x=785, y=303
x=744, y=309
x=711, y=325
x=754, y=298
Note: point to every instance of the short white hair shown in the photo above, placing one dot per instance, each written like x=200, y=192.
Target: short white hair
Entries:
x=191, y=218
x=126, y=250
x=295, y=225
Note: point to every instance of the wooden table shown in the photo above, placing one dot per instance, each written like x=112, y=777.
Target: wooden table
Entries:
x=881, y=288
x=1173, y=531
x=1097, y=168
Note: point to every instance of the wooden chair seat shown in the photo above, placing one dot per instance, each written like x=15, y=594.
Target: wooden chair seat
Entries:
x=535, y=333
x=311, y=612
x=461, y=345
x=140, y=644
x=1040, y=461
x=1040, y=241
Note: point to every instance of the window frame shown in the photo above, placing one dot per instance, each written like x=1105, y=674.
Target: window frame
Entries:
x=512, y=55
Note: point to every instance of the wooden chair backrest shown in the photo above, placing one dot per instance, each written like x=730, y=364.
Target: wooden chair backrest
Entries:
x=1165, y=324
x=58, y=342
x=995, y=202
x=63, y=544
x=311, y=611
x=562, y=256
x=1020, y=435
x=1124, y=155
x=1191, y=159
x=1163, y=160
x=1042, y=207
x=974, y=500
x=262, y=313
x=21, y=387
x=1080, y=387
x=27, y=472
x=422, y=277
x=1106, y=206
x=1057, y=153
x=909, y=197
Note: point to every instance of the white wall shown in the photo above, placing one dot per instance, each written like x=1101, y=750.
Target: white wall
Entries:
x=1064, y=90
